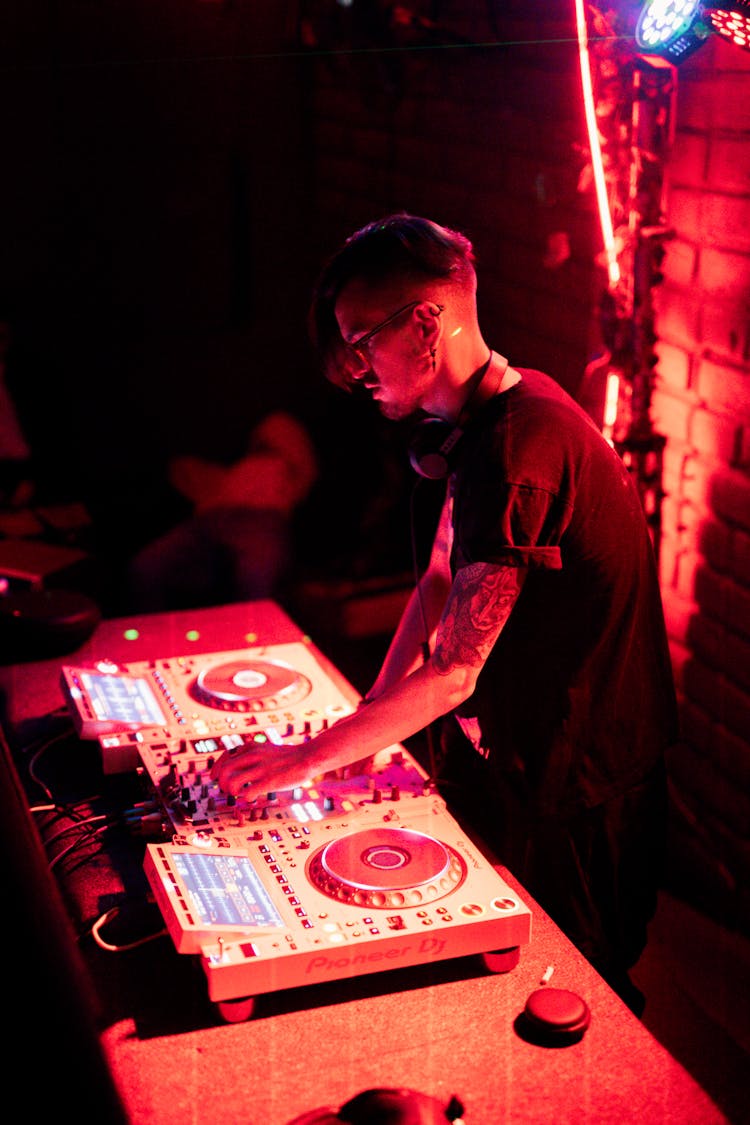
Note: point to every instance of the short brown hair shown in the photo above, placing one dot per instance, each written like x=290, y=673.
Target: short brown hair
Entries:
x=398, y=247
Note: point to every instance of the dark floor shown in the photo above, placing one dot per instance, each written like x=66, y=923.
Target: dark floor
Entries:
x=695, y=974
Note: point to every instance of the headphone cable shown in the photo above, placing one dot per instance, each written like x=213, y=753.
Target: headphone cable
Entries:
x=425, y=643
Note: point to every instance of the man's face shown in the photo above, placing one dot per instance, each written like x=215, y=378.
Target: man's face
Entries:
x=386, y=351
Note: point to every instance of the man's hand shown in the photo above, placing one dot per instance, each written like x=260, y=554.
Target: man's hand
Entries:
x=260, y=768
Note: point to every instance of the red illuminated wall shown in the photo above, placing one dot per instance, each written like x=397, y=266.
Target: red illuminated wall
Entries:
x=702, y=405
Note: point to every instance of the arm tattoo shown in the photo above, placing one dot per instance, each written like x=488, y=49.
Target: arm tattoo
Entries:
x=478, y=606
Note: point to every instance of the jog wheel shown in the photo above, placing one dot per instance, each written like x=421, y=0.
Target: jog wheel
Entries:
x=251, y=685
x=386, y=868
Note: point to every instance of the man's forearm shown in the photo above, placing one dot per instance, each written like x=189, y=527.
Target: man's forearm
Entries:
x=413, y=635
x=404, y=709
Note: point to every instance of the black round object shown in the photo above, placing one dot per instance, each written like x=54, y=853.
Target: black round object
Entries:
x=386, y=1106
x=39, y=624
x=431, y=447
x=556, y=1015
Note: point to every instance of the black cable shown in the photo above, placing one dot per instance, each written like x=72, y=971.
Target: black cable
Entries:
x=83, y=826
x=425, y=644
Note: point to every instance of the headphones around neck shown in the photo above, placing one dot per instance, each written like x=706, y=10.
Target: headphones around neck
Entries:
x=433, y=441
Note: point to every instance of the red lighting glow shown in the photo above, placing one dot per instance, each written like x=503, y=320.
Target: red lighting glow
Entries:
x=731, y=25
x=611, y=401
x=605, y=217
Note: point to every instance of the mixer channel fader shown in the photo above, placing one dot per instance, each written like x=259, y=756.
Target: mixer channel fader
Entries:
x=197, y=808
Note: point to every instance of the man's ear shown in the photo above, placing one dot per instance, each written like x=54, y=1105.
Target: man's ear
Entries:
x=429, y=322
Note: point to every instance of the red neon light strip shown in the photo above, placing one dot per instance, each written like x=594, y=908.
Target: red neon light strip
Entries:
x=605, y=217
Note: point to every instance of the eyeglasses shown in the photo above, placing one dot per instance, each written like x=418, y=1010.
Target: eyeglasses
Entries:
x=359, y=345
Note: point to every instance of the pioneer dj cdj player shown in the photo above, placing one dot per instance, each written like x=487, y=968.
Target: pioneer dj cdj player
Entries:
x=352, y=873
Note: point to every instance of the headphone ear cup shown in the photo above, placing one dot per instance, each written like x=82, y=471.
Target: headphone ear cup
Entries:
x=430, y=446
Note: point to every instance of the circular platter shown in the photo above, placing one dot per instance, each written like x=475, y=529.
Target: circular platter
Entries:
x=386, y=868
x=251, y=685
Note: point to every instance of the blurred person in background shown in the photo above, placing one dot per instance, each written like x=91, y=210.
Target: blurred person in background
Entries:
x=238, y=543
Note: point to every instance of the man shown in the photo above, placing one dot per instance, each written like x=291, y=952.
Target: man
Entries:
x=537, y=628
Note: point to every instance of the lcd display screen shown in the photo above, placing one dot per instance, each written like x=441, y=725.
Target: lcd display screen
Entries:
x=121, y=699
x=224, y=890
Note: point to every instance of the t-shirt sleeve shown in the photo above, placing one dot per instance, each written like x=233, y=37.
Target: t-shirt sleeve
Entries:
x=522, y=528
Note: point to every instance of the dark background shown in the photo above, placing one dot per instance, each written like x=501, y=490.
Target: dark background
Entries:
x=175, y=172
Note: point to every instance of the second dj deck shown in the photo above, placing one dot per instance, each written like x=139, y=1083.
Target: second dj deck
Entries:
x=280, y=689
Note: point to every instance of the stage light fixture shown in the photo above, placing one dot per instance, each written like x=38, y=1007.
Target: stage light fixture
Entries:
x=672, y=29
x=732, y=21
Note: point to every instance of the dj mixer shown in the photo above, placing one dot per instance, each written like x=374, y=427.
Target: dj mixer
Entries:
x=355, y=872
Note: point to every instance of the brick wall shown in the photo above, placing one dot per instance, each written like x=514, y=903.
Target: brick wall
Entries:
x=493, y=140
x=702, y=405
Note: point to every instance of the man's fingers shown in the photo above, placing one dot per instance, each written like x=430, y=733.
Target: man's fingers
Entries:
x=231, y=772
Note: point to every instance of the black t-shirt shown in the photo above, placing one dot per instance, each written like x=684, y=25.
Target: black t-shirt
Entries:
x=576, y=700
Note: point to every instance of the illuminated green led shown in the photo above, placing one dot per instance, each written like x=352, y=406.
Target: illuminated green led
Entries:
x=131, y=634
x=192, y=635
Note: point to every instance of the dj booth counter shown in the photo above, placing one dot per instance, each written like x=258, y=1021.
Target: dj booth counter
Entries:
x=121, y=1024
